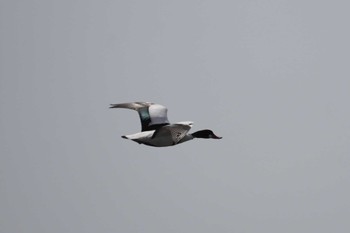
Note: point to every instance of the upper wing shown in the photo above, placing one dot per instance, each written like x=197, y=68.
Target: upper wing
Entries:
x=134, y=105
x=151, y=115
x=175, y=131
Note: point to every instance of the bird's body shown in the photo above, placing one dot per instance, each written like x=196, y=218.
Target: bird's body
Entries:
x=156, y=129
x=167, y=135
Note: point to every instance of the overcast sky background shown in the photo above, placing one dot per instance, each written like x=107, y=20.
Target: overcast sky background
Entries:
x=271, y=77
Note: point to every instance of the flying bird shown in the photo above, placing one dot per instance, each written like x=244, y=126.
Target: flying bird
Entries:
x=156, y=129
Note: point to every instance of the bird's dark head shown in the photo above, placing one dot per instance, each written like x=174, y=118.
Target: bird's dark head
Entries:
x=205, y=133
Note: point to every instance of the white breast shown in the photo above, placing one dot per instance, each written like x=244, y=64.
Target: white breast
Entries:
x=158, y=114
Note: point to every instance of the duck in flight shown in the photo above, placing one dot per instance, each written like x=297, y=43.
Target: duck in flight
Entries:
x=156, y=129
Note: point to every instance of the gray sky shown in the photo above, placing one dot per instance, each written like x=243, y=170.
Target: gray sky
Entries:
x=271, y=77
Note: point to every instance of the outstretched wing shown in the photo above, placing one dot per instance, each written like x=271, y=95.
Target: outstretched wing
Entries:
x=152, y=115
x=176, y=131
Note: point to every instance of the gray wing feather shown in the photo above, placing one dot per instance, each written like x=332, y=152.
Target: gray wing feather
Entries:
x=134, y=106
x=175, y=131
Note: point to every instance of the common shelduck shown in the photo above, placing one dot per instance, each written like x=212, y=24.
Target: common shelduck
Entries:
x=156, y=129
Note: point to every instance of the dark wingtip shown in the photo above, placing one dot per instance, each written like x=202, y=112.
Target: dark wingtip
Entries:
x=124, y=137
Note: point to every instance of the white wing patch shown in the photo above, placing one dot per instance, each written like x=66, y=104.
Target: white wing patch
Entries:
x=158, y=114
